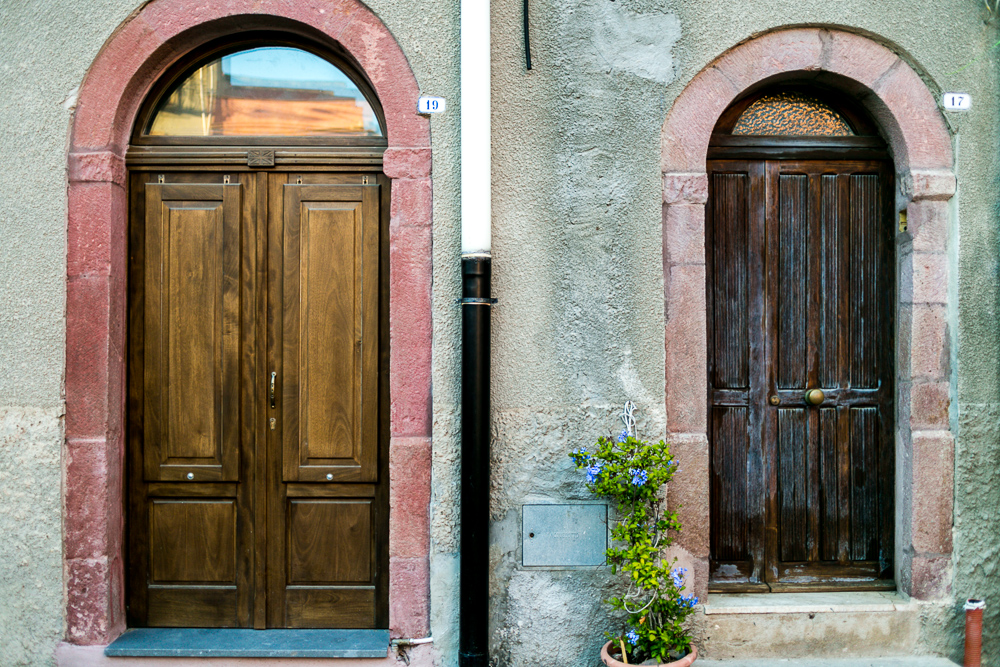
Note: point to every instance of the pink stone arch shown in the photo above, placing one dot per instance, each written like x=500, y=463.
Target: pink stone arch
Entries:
x=921, y=147
x=129, y=64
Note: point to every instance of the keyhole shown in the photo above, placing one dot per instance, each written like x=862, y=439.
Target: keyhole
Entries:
x=531, y=534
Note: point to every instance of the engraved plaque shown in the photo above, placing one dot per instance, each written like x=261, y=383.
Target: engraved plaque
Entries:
x=260, y=157
x=564, y=535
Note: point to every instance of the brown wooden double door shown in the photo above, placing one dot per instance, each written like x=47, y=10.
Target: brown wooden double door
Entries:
x=801, y=285
x=257, y=400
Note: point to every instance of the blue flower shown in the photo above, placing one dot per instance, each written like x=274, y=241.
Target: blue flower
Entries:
x=639, y=476
x=688, y=601
x=632, y=636
x=623, y=436
x=579, y=452
x=593, y=472
x=677, y=576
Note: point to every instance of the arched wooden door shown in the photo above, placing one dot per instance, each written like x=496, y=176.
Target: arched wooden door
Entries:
x=801, y=303
x=258, y=345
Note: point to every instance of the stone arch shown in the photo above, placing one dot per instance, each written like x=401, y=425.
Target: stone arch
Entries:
x=130, y=62
x=920, y=143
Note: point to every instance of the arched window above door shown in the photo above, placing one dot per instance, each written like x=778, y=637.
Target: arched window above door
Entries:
x=796, y=120
x=262, y=89
x=790, y=113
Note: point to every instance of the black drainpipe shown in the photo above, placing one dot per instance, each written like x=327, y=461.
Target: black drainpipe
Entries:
x=474, y=595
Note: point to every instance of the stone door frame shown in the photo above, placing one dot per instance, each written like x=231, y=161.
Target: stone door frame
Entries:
x=921, y=147
x=131, y=61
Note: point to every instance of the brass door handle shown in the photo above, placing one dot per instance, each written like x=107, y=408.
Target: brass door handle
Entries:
x=815, y=396
x=273, y=375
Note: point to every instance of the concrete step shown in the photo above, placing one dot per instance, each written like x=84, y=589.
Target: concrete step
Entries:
x=906, y=661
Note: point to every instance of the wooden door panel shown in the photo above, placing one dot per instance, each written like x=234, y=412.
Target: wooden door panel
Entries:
x=864, y=483
x=348, y=608
x=215, y=607
x=193, y=563
x=329, y=377
x=829, y=490
x=831, y=268
x=730, y=303
x=192, y=542
x=793, y=484
x=324, y=570
x=793, y=279
x=865, y=280
x=192, y=316
x=330, y=541
x=330, y=338
x=729, y=477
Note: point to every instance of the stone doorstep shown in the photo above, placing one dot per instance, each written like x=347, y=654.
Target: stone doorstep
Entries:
x=239, y=643
x=906, y=661
x=805, y=603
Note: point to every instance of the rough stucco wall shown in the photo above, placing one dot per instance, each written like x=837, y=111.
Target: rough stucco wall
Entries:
x=577, y=267
x=31, y=597
x=46, y=50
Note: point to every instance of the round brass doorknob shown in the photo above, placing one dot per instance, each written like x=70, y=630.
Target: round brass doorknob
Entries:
x=815, y=396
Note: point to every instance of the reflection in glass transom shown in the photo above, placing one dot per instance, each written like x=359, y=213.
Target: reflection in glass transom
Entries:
x=268, y=91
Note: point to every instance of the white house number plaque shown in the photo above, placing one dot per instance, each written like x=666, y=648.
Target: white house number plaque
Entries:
x=427, y=104
x=957, y=101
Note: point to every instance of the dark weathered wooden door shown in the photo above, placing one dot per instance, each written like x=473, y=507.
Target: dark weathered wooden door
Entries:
x=801, y=297
x=257, y=361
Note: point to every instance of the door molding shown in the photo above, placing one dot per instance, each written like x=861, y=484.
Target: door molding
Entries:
x=131, y=61
x=920, y=144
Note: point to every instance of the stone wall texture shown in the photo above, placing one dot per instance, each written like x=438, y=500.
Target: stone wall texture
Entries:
x=578, y=267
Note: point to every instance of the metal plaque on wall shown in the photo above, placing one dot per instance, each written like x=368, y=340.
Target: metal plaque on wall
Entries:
x=563, y=535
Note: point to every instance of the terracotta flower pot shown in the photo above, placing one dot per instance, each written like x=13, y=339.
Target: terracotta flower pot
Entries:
x=683, y=662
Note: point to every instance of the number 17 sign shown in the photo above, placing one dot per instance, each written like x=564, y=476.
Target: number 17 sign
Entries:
x=957, y=101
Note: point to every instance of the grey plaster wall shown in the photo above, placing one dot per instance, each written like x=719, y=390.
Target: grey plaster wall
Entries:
x=578, y=266
x=46, y=50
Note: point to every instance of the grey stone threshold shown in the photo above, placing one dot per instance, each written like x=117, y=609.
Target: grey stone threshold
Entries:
x=907, y=661
x=801, y=603
x=239, y=643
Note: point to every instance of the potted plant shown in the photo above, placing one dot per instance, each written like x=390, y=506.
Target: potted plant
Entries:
x=631, y=472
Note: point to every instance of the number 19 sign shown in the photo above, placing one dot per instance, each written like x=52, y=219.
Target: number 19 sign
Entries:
x=427, y=104
x=957, y=101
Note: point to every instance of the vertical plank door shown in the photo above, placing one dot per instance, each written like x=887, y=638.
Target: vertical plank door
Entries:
x=829, y=250
x=735, y=261
x=801, y=283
